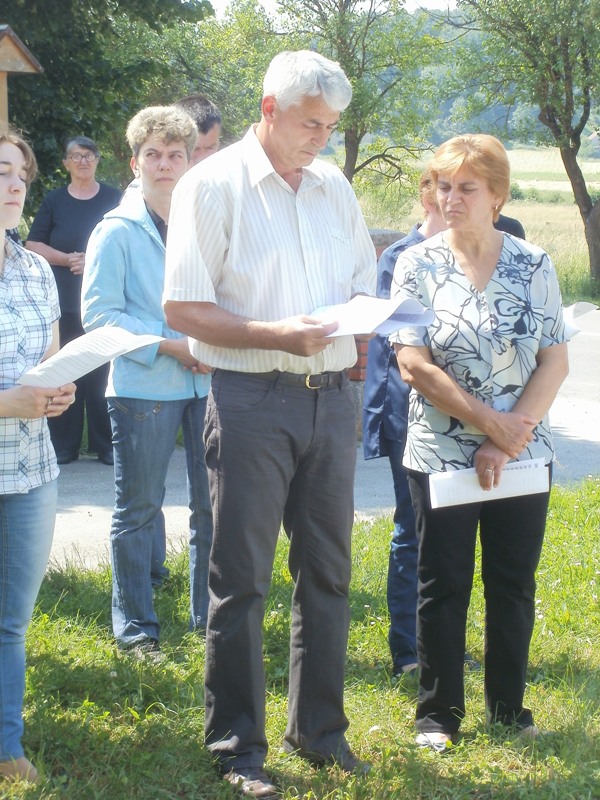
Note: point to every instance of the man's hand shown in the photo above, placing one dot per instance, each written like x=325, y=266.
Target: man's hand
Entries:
x=300, y=335
x=303, y=336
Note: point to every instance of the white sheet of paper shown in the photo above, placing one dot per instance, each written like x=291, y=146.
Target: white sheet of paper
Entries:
x=572, y=312
x=462, y=485
x=364, y=314
x=84, y=354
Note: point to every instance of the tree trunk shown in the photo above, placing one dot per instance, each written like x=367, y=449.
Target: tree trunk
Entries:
x=590, y=213
x=592, y=237
x=351, y=145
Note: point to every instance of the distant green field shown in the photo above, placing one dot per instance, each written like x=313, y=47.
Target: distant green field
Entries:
x=545, y=164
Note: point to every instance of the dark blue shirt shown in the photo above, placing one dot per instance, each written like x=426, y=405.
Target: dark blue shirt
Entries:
x=65, y=223
x=385, y=402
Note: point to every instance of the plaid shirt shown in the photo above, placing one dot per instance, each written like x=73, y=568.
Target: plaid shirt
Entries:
x=28, y=307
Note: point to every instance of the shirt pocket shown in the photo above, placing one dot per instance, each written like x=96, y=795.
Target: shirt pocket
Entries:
x=341, y=255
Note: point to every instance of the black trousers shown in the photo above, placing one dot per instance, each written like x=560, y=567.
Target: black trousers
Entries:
x=278, y=452
x=66, y=431
x=511, y=533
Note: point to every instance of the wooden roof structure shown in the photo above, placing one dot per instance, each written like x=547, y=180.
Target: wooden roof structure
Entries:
x=15, y=59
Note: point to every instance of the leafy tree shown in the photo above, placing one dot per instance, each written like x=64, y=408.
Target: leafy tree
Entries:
x=543, y=53
x=227, y=60
x=384, y=52
x=94, y=68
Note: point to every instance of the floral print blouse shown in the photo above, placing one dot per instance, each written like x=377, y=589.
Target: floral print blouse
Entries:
x=487, y=341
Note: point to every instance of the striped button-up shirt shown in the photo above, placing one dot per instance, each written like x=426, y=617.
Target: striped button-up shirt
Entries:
x=240, y=237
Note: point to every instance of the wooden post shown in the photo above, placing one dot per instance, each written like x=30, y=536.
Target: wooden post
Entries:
x=3, y=101
x=15, y=59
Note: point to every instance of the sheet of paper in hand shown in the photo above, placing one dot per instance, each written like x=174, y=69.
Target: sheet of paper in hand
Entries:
x=82, y=355
x=363, y=315
x=460, y=486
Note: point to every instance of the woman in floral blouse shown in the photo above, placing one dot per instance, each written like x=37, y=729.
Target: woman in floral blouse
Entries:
x=28, y=334
x=484, y=375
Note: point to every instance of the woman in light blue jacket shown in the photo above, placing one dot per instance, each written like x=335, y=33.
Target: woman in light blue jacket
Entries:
x=153, y=391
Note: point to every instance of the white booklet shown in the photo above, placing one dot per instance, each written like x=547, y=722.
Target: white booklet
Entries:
x=572, y=312
x=462, y=485
x=84, y=354
x=364, y=314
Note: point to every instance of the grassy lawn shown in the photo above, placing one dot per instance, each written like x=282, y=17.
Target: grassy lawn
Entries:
x=102, y=726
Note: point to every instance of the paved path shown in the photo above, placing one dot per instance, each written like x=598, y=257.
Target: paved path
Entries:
x=86, y=486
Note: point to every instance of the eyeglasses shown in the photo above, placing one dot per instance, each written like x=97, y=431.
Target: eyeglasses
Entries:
x=77, y=158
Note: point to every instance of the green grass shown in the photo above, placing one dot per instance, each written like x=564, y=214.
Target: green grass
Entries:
x=102, y=726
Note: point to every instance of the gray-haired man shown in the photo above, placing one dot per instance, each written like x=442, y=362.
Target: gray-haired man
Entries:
x=260, y=235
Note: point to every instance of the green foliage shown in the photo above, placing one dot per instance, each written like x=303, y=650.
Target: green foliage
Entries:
x=542, y=54
x=226, y=59
x=383, y=51
x=101, y=725
x=516, y=193
x=94, y=69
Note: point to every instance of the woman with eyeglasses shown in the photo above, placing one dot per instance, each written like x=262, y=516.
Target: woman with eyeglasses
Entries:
x=60, y=232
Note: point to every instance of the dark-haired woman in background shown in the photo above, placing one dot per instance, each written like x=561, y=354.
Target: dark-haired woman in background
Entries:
x=59, y=233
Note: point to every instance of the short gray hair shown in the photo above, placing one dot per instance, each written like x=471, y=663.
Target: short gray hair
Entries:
x=81, y=141
x=304, y=73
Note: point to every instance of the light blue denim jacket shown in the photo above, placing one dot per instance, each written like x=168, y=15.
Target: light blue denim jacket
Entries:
x=122, y=285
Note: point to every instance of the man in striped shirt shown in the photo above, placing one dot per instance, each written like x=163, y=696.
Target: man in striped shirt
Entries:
x=260, y=235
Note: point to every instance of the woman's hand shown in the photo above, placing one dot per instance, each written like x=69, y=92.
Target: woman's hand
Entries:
x=179, y=349
x=76, y=262
x=489, y=463
x=31, y=402
x=59, y=401
x=511, y=431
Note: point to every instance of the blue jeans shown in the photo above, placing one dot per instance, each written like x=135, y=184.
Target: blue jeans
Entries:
x=402, y=588
x=144, y=437
x=26, y=530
